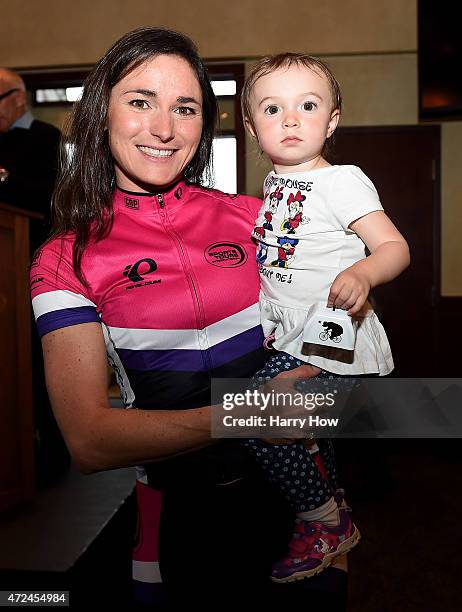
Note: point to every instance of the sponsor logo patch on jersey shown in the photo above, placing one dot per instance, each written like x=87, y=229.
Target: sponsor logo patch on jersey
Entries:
x=138, y=271
x=132, y=203
x=225, y=254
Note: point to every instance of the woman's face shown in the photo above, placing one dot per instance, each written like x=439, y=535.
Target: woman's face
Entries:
x=155, y=123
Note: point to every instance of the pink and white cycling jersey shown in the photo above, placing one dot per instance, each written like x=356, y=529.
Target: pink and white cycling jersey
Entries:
x=174, y=285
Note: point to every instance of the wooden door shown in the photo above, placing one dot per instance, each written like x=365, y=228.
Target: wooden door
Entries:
x=16, y=418
x=403, y=162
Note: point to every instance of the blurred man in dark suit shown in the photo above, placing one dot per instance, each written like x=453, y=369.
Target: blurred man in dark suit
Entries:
x=28, y=154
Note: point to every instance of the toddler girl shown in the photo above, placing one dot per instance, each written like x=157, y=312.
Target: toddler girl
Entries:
x=312, y=230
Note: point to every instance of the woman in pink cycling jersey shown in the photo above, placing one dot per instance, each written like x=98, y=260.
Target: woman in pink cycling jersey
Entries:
x=137, y=272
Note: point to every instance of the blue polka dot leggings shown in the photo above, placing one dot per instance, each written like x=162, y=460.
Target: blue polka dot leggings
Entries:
x=291, y=467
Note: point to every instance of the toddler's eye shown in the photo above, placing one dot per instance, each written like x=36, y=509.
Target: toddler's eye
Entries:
x=309, y=106
x=272, y=109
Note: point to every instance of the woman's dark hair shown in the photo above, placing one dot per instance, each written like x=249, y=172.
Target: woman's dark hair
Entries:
x=82, y=201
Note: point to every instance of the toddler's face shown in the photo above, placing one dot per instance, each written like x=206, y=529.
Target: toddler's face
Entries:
x=292, y=114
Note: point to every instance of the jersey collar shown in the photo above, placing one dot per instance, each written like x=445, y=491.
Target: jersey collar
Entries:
x=139, y=202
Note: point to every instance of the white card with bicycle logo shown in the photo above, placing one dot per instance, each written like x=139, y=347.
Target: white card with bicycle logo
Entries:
x=331, y=327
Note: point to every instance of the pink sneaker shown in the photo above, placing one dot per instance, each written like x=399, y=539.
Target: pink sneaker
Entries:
x=314, y=546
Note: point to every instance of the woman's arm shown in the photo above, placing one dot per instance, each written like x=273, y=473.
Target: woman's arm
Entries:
x=100, y=437
x=389, y=257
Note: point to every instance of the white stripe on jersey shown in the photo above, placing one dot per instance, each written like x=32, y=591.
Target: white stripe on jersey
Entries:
x=146, y=571
x=186, y=339
x=58, y=300
x=239, y=322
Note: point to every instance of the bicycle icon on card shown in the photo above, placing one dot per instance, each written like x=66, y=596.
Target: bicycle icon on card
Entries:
x=332, y=331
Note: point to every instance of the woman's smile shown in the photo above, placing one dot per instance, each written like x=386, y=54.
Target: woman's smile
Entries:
x=156, y=153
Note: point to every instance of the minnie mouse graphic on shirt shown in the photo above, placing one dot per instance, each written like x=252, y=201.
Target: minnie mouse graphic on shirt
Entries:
x=275, y=198
x=295, y=216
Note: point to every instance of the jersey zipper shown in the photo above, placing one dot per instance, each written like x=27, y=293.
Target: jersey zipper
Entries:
x=199, y=308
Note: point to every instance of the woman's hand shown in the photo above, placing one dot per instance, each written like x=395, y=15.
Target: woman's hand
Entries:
x=302, y=372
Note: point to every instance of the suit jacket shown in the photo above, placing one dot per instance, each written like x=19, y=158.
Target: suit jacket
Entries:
x=30, y=156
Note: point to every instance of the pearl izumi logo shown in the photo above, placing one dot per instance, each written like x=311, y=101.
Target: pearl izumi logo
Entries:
x=132, y=203
x=137, y=272
x=225, y=254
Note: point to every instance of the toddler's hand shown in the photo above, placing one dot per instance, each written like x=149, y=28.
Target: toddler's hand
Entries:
x=349, y=291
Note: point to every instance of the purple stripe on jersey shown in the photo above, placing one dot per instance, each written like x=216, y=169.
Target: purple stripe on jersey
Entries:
x=149, y=593
x=182, y=360
x=64, y=318
x=235, y=347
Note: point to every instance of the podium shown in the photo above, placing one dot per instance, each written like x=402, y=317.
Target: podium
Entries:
x=16, y=402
